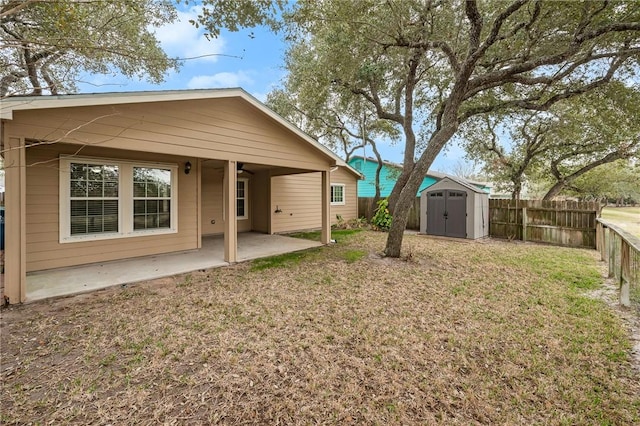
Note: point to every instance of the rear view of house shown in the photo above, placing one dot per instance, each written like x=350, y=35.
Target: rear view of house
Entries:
x=102, y=177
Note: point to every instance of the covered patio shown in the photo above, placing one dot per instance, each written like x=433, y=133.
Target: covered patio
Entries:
x=112, y=188
x=80, y=279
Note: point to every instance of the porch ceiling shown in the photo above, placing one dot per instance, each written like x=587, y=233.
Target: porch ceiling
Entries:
x=82, y=279
x=256, y=168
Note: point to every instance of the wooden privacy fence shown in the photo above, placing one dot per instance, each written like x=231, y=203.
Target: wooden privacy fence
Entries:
x=367, y=209
x=621, y=251
x=567, y=223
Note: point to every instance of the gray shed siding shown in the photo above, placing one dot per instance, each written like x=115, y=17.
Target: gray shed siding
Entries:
x=477, y=207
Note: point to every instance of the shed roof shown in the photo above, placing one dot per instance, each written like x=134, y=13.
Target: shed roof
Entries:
x=458, y=181
x=21, y=103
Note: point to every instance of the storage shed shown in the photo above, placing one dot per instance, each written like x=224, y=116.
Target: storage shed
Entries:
x=454, y=208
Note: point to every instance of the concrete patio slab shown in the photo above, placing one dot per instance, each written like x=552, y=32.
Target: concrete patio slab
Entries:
x=86, y=278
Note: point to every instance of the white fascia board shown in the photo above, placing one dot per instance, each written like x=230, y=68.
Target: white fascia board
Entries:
x=17, y=103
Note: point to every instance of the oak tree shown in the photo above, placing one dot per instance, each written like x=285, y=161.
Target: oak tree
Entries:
x=429, y=66
x=559, y=145
x=45, y=45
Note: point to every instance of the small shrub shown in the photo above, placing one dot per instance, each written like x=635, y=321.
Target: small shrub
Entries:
x=381, y=220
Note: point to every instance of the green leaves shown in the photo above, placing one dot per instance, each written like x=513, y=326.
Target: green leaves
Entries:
x=428, y=67
x=236, y=14
x=382, y=219
x=49, y=44
x=556, y=147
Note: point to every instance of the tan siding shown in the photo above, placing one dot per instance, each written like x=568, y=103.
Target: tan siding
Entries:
x=350, y=208
x=299, y=198
x=219, y=128
x=261, y=211
x=212, y=203
x=43, y=248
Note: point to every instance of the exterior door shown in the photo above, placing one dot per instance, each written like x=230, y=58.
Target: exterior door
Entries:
x=456, y=222
x=436, y=209
x=447, y=213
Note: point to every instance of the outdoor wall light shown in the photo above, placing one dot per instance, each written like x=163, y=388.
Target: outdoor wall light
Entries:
x=187, y=167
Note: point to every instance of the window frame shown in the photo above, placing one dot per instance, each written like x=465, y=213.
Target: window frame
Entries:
x=157, y=198
x=245, y=198
x=70, y=198
x=125, y=199
x=344, y=195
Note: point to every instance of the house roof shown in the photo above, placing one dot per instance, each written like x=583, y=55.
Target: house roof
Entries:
x=432, y=173
x=19, y=103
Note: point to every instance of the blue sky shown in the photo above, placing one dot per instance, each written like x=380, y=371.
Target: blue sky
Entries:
x=251, y=59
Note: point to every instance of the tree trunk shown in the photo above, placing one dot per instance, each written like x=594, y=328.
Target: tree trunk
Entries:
x=564, y=181
x=397, y=188
x=554, y=191
x=407, y=192
x=376, y=197
x=517, y=192
x=414, y=177
x=401, y=215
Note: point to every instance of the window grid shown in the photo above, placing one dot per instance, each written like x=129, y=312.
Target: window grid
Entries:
x=241, y=199
x=94, y=198
x=337, y=194
x=151, y=198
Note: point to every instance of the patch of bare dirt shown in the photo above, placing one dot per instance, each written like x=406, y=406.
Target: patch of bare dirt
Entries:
x=630, y=316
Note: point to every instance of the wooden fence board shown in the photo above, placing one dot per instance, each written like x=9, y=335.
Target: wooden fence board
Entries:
x=568, y=223
x=366, y=209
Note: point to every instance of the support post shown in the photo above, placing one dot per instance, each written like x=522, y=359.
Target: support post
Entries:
x=15, y=266
x=625, y=273
x=625, y=296
x=612, y=254
x=230, y=208
x=524, y=224
x=198, y=175
x=325, y=236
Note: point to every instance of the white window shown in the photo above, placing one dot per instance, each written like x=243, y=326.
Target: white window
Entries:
x=151, y=198
x=101, y=199
x=242, y=196
x=337, y=194
x=94, y=198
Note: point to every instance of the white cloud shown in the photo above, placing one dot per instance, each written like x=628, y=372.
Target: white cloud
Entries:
x=181, y=39
x=221, y=79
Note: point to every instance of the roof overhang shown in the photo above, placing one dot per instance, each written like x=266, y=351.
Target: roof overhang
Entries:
x=468, y=185
x=29, y=103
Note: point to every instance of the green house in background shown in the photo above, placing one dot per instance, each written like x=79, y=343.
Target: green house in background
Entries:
x=388, y=176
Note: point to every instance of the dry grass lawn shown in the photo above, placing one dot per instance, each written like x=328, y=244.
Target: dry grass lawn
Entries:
x=460, y=333
x=627, y=217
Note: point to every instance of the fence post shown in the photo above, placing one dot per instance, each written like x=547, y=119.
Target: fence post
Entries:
x=612, y=254
x=605, y=243
x=524, y=224
x=625, y=262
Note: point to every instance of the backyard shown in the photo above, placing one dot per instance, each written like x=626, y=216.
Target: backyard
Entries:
x=627, y=217
x=458, y=332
